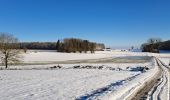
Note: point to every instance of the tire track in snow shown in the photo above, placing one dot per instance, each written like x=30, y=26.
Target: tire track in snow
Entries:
x=106, y=89
x=157, y=93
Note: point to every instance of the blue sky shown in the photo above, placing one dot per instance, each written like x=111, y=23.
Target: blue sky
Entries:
x=117, y=23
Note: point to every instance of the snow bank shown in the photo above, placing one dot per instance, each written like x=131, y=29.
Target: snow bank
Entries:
x=130, y=86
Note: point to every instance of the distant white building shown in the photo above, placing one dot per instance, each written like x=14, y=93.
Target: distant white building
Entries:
x=107, y=49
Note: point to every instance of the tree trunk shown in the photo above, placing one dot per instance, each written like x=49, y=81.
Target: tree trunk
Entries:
x=6, y=62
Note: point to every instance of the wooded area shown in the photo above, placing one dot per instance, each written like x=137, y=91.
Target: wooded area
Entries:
x=154, y=45
x=65, y=45
x=164, y=45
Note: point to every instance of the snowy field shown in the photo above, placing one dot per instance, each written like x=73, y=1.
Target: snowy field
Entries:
x=44, y=57
x=47, y=57
x=74, y=81
x=66, y=84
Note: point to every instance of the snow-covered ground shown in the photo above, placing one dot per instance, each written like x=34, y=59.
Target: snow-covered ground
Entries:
x=31, y=57
x=163, y=88
x=110, y=82
x=101, y=81
x=166, y=61
x=65, y=84
x=166, y=67
x=44, y=57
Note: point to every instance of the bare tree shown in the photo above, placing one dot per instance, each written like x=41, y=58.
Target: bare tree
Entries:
x=9, y=49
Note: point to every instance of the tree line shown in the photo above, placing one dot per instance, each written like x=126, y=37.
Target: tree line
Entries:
x=165, y=45
x=38, y=45
x=155, y=44
x=65, y=45
x=152, y=45
x=78, y=45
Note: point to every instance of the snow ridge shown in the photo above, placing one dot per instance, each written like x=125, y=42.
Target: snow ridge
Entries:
x=105, y=90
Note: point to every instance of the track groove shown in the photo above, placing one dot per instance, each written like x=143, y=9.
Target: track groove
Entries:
x=157, y=92
x=155, y=89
